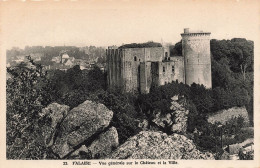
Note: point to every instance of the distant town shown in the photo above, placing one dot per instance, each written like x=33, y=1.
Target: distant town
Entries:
x=58, y=57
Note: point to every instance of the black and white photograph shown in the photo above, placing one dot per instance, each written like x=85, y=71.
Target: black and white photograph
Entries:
x=130, y=83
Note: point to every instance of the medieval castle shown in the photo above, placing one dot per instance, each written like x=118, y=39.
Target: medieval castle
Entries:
x=137, y=69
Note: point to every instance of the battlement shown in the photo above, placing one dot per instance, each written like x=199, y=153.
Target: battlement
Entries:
x=187, y=32
x=110, y=51
x=114, y=50
x=138, y=54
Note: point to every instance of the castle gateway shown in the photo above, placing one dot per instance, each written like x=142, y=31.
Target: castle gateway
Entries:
x=137, y=69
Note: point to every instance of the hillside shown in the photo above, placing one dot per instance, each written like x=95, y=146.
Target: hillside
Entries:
x=171, y=109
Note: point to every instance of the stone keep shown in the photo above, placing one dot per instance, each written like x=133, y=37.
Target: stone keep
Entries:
x=137, y=69
x=196, y=52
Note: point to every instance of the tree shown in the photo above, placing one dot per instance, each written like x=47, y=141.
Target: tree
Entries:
x=243, y=54
x=238, y=51
x=27, y=93
x=177, y=50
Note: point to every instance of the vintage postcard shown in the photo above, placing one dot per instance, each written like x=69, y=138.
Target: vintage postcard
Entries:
x=127, y=83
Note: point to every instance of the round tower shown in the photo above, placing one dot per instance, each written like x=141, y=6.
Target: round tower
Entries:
x=196, y=52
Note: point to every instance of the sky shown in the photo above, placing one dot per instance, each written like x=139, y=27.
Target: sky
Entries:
x=116, y=22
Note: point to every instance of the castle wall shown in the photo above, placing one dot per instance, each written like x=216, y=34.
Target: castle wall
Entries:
x=133, y=57
x=145, y=77
x=124, y=70
x=156, y=54
x=155, y=74
x=196, y=52
x=131, y=53
x=165, y=72
x=178, y=69
x=136, y=69
x=169, y=71
x=166, y=55
x=127, y=76
x=114, y=68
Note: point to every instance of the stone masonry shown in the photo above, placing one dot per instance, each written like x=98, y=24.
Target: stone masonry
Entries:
x=137, y=69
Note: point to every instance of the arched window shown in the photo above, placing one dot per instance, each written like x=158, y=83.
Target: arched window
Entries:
x=163, y=69
x=135, y=59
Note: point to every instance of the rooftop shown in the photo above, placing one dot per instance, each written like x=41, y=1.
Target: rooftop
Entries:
x=149, y=44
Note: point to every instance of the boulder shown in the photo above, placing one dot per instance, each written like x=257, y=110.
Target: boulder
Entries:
x=100, y=147
x=104, y=144
x=158, y=145
x=82, y=122
x=55, y=114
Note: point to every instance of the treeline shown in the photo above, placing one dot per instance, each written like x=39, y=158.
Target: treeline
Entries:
x=232, y=63
x=238, y=52
x=232, y=72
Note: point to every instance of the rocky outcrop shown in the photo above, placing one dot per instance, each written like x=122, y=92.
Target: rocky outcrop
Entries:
x=176, y=120
x=82, y=132
x=180, y=117
x=158, y=145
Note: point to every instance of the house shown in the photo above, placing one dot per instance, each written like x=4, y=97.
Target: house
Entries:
x=56, y=59
x=68, y=62
x=36, y=56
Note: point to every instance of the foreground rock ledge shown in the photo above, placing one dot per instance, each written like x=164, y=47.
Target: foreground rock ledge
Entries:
x=158, y=145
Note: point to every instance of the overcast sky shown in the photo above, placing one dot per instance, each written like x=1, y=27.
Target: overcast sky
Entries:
x=110, y=22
